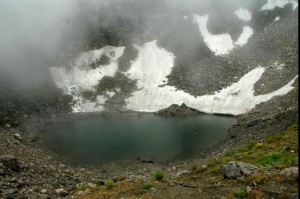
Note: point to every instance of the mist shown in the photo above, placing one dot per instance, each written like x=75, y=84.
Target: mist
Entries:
x=36, y=34
x=31, y=37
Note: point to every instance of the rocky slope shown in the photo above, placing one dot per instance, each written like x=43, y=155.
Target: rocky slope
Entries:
x=263, y=168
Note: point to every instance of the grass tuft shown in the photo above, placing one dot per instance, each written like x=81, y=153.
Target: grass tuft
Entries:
x=159, y=175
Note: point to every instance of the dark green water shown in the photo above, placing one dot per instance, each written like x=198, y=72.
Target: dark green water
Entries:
x=147, y=137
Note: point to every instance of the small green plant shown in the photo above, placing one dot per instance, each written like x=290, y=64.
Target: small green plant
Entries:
x=147, y=186
x=159, y=175
x=259, y=145
x=121, y=177
x=194, y=166
x=81, y=187
x=239, y=194
x=285, y=158
x=109, y=184
x=231, y=152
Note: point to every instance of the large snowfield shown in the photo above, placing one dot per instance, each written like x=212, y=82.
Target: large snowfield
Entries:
x=152, y=66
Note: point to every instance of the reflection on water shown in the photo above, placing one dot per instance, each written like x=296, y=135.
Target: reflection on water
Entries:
x=148, y=137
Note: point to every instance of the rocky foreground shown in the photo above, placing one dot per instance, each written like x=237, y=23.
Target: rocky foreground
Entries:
x=258, y=160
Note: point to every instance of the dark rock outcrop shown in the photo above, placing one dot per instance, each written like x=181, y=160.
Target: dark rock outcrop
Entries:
x=176, y=110
x=10, y=161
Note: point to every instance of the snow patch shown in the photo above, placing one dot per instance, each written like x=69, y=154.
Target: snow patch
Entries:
x=271, y=4
x=243, y=14
x=82, y=77
x=221, y=44
x=154, y=63
x=243, y=38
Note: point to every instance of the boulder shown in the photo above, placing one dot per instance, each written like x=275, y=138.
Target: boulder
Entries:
x=33, y=137
x=292, y=171
x=235, y=170
x=18, y=136
x=253, y=122
x=10, y=161
x=62, y=192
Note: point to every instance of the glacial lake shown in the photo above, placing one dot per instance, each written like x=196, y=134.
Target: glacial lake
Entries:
x=148, y=137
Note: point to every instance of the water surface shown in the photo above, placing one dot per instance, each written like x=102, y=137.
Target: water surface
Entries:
x=100, y=140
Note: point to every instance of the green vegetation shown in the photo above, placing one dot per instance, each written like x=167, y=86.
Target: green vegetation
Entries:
x=258, y=153
x=81, y=187
x=147, y=186
x=239, y=194
x=194, y=166
x=109, y=184
x=278, y=158
x=159, y=175
x=231, y=152
x=121, y=177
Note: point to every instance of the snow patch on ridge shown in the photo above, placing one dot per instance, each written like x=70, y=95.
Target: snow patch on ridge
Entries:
x=152, y=66
x=243, y=14
x=81, y=77
x=221, y=44
x=243, y=38
x=271, y=4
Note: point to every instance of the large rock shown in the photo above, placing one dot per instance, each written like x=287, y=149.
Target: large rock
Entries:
x=176, y=110
x=235, y=170
x=292, y=171
x=61, y=192
x=10, y=161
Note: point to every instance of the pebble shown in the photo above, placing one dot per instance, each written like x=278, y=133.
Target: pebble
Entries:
x=18, y=136
x=181, y=172
x=43, y=191
x=61, y=192
x=91, y=185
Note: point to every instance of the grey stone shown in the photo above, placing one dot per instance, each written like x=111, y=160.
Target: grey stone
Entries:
x=253, y=122
x=10, y=161
x=294, y=196
x=7, y=192
x=62, y=192
x=18, y=136
x=292, y=171
x=235, y=170
x=44, y=191
x=33, y=137
x=181, y=173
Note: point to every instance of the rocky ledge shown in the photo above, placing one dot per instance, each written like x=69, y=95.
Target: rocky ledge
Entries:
x=176, y=110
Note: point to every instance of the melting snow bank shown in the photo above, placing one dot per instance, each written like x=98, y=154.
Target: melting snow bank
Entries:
x=84, y=75
x=154, y=64
x=221, y=44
